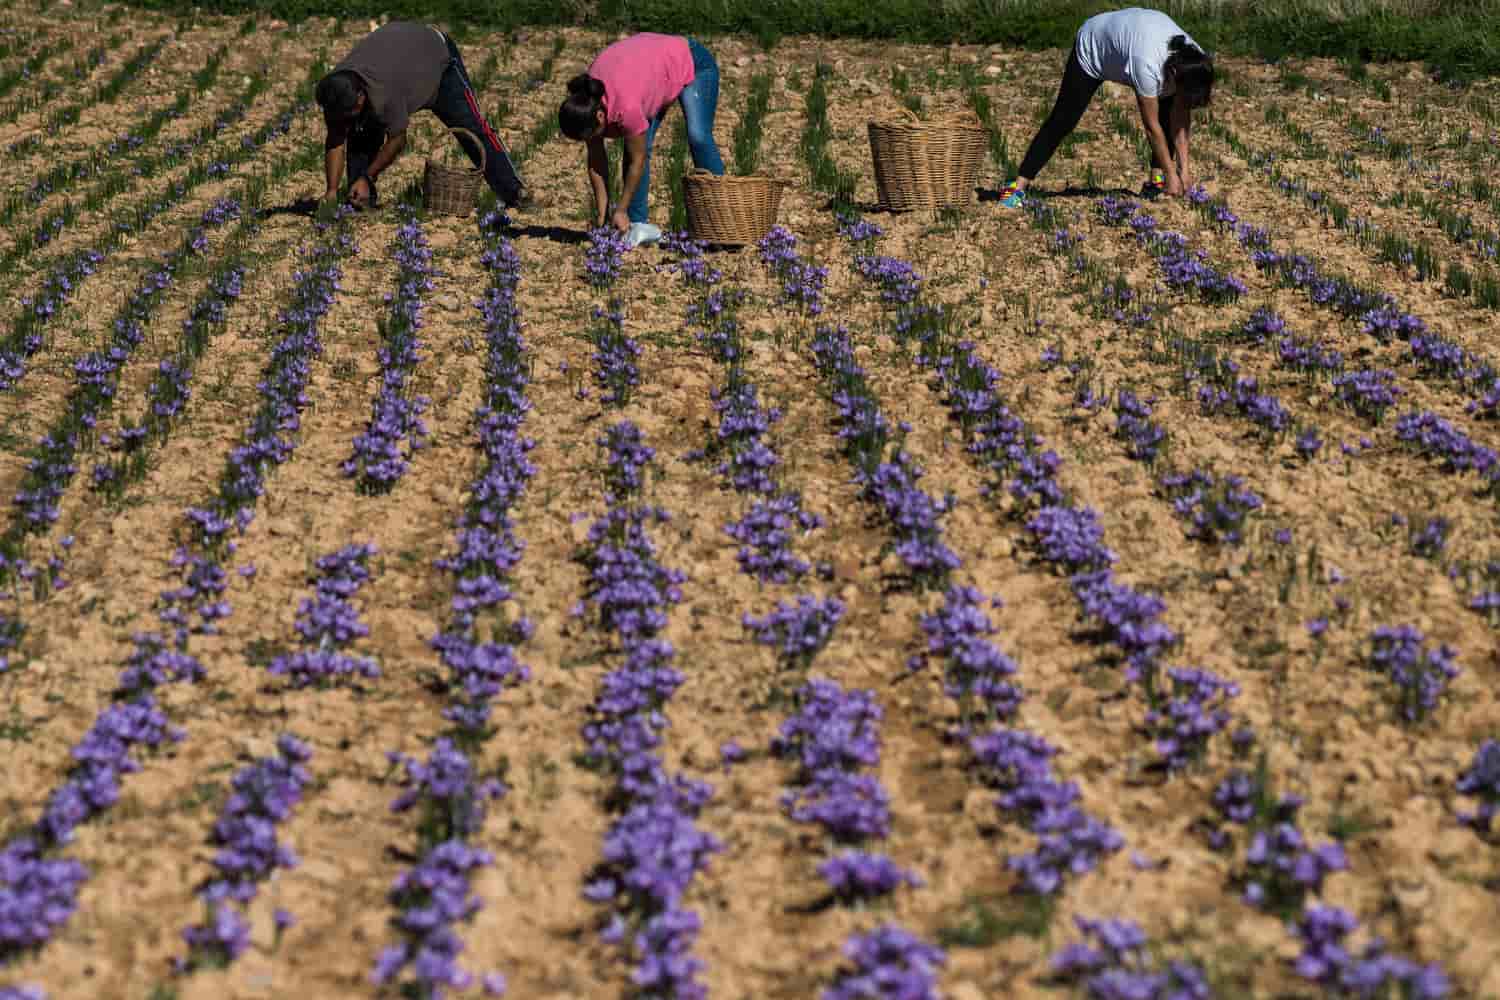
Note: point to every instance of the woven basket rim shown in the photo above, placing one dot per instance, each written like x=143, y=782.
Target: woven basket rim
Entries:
x=699, y=175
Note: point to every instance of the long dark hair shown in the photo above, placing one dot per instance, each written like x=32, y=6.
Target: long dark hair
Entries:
x=578, y=116
x=1192, y=70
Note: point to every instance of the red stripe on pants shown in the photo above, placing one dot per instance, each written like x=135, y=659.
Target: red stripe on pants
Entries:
x=484, y=125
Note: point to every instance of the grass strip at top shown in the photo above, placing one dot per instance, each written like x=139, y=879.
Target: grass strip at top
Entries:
x=1440, y=34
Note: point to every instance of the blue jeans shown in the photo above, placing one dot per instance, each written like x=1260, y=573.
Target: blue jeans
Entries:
x=699, y=100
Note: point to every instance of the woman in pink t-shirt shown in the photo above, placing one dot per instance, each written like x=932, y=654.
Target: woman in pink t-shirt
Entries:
x=624, y=95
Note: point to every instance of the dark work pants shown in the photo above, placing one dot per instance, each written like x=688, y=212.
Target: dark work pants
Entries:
x=1073, y=97
x=456, y=107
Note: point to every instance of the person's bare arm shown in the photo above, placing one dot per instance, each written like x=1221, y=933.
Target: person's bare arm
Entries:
x=333, y=169
x=389, y=150
x=635, y=155
x=1182, y=128
x=333, y=161
x=1150, y=121
x=599, y=180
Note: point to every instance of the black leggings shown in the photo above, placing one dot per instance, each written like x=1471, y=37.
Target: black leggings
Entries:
x=1073, y=97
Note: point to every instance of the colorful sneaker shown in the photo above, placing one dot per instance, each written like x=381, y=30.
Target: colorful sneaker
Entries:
x=1012, y=196
x=1155, y=185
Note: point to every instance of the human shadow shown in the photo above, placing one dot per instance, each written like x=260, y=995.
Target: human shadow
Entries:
x=1091, y=191
x=555, y=234
x=307, y=207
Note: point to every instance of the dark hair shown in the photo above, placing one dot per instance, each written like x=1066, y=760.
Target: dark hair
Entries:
x=576, y=118
x=338, y=92
x=1192, y=71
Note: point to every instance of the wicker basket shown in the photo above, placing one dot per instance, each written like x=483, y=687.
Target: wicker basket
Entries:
x=454, y=190
x=730, y=211
x=927, y=164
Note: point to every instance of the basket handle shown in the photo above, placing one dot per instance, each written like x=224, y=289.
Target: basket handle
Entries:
x=484, y=153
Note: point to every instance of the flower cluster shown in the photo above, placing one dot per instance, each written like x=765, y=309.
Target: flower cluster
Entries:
x=653, y=848
x=38, y=893
x=898, y=281
x=170, y=388
x=801, y=282
x=1309, y=355
x=1143, y=437
x=1432, y=435
x=434, y=894
x=1245, y=398
x=765, y=533
x=1421, y=675
x=134, y=720
x=1368, y=392
x=911, y=513
x=1184, y=719
x=267, y=442
x=616, y=357
x=1281, y=867
x=798, y=630
x=1181, y=267
x=1113, y=963
x=834, y=734
x=26, y=333
x=378, y=461
x=96, y=377
x=887, y=962
x=1215, y=507
x=1069, y=840
x=976, y=674
x=262, y=796
x=1481, y=780
x=1428, y=536
x=604, y=257
x=485, y=548
x=327, y=623
x=855, y=876
x=1438, y=356
x=1326, y=959
x=1379, y=314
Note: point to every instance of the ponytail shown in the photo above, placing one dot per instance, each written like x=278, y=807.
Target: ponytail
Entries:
x=1192, y=71
x=578, y=116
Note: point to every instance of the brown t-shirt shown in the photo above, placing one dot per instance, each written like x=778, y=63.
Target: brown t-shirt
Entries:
x=401, y=64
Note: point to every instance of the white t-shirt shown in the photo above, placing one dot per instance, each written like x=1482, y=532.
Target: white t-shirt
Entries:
x=1128, y=46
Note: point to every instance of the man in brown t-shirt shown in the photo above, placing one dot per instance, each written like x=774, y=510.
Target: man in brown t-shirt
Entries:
x=397, y=69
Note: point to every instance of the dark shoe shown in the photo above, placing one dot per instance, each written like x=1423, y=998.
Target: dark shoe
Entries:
x=522, y=199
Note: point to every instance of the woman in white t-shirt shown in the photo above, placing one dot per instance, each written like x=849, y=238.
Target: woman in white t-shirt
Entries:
x=1169, y=72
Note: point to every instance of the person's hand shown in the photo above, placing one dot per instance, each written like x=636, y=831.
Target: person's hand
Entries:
x=621, y=220
x=359, y=192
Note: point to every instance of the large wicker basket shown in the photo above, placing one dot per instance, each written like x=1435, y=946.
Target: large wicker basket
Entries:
x=454, y=190
x=730, y=211
x=927, y=164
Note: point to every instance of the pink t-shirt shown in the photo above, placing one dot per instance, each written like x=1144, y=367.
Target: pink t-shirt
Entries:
x=641, y=74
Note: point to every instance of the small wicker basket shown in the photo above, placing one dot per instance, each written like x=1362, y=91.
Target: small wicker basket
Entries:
x=730, y=211
x=927, y=164
x=454, y=190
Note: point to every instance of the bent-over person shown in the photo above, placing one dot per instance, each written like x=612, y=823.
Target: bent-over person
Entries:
x=393, y=72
